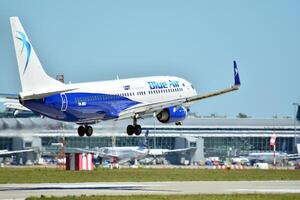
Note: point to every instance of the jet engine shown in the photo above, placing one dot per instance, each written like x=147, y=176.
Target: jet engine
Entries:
x=172, y=114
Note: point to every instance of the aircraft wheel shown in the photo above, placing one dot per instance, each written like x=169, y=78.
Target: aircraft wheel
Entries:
x=178, y=123
x=89, y=131
x=81, y=131
x=137, y=129
x=130, y=129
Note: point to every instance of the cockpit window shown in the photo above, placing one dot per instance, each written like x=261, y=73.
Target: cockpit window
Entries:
x=192, y=86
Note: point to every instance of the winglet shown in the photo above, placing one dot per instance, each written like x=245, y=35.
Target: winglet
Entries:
x=237, y=81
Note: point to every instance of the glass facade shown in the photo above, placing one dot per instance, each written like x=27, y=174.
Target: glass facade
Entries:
x=213, y=146
x=235, y=146
x=92, y=142
x=6, y=143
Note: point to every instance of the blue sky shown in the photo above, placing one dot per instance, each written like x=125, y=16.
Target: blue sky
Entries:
x=196, y=40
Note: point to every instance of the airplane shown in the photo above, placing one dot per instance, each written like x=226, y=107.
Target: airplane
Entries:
x=268, y=157
x=167, y=97
x=125, y=154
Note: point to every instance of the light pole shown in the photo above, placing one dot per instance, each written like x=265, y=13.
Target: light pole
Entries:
x=295, y=130
x=154, y=141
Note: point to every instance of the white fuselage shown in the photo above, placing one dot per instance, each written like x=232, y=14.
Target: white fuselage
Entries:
x=107, y=99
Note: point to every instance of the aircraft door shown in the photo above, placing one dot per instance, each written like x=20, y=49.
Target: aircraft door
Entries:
x=64, y=102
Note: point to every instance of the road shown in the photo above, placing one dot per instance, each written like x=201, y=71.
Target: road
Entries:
x=21, y=191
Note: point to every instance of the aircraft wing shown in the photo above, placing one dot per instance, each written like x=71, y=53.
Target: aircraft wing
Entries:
x=114, y=158
x=11, y=101
x=5, y=152
x=14, y=104
x=97, y=152
x=293, y=157
x=161, y=152
x=150, y=108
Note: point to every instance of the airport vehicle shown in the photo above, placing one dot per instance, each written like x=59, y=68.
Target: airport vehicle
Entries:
x=168, y=97
x=261, y=165
x=122, y=155
x=239, y=160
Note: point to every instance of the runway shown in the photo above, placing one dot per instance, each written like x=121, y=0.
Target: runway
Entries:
x=21, y=191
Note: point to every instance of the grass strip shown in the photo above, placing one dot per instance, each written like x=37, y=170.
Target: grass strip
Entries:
x=49, y=175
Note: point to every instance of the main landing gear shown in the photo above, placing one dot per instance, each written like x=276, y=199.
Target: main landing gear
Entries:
x=135, y=128
x=85, y=130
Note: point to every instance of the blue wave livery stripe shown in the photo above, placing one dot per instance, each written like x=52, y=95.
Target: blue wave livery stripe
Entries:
x=97, y=106
x=27, y=45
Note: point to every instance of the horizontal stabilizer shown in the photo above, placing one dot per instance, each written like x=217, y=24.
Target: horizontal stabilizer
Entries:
x=9, y=96
x=39, y=94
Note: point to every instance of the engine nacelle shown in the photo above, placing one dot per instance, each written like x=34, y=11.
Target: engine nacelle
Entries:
x=172, y=114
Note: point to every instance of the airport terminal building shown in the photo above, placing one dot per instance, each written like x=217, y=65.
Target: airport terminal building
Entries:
x=206, y=137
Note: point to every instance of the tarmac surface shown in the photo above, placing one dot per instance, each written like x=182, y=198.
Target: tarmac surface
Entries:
x=21, y=191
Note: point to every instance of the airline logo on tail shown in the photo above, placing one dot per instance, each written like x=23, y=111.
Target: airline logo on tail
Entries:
x=27, y=45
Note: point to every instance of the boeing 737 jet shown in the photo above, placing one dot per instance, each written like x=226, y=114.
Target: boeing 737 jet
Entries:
x=130, y=153
x=169, y=97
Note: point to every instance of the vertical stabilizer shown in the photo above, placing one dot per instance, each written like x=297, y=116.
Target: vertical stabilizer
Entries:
x=31, y=72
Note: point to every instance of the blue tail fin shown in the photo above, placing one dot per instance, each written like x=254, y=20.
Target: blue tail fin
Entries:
x=237, y=81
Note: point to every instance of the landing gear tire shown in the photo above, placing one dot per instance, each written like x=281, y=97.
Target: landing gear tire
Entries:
x=137, y=129
x=130, y=130
x=89, y=131
x=178, y=123
x=81, y=131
